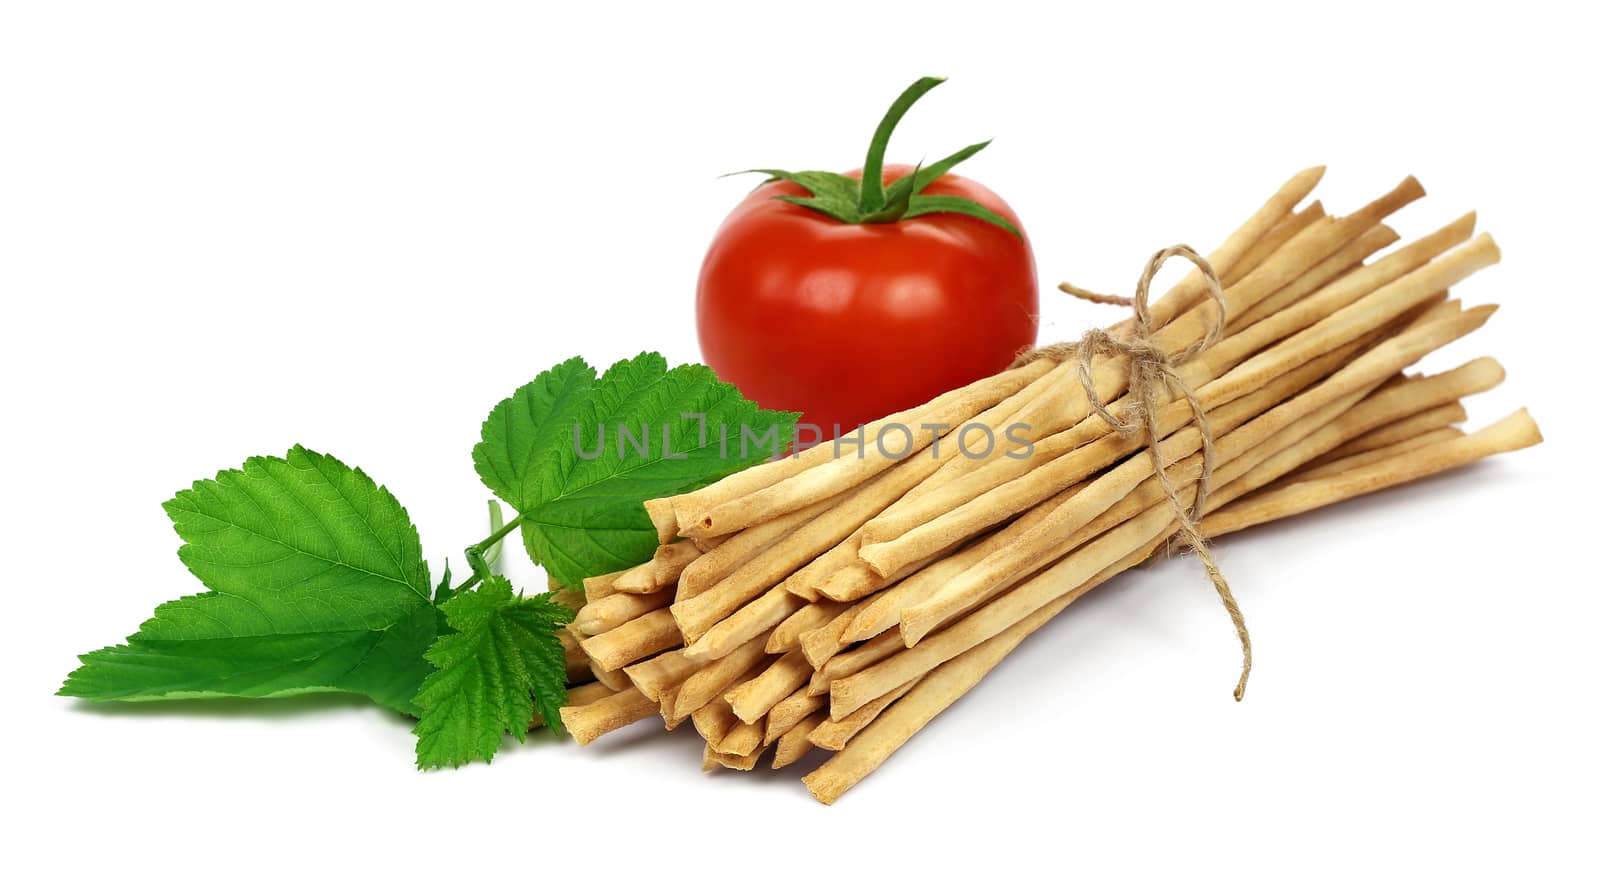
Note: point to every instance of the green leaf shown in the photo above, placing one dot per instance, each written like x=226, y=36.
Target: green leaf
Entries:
x=531, y=430
x=443, y=591
x=846, y=214
x=832, y=194
x=928, y=204
x=501, y=661
x=914, y=183
x=317, y=583
x=584, y=517
x=833, y=187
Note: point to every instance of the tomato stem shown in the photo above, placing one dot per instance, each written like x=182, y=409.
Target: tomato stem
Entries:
x=872, y=194
x=867, y=200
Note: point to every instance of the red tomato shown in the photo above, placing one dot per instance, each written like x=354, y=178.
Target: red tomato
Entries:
x=846, y=323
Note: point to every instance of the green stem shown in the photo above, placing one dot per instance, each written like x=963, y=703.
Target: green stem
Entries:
x=475, y=559
x=872, y=195
x=499, y=534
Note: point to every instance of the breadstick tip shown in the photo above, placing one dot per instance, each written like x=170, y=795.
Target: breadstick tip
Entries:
x=1488, y=371
x=1530, y=428
x=914, y=625
x=1479, y=314
x=1490, y=248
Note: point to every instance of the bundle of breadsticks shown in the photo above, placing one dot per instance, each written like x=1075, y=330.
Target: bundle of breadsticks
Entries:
x=841, y=597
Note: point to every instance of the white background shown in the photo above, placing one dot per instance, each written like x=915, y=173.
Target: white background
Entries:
x=226, y=228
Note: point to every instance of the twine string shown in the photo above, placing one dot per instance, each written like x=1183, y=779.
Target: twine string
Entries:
x=1150, y=369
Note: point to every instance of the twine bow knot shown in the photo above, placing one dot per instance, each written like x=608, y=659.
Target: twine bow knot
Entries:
x=1150, y=369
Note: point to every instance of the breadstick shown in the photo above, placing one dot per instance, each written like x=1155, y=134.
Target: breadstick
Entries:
x=663, y=518
x=840, y=475
x=579, y=695
x=748, y=624
x=1192, y=288
x=932, y=693
x=1067, y=405
x=736, y=762
x=1427, y=393
x=858, y=579
x=636, y=580
x=1252, y=334
x=710, y=568
x=859, y=658
x=959, y=450
x=790, y=711
x=697, y=614
x=786, y=636
x=671, y=559
x=1390, y=404
x=934, y=610
x=596, y=587
x=1344, y=260
x=608, y=612
x=1298, y=256
x=1371, y=456
x=834, y=734
x=634, y=640
x=1070, y=571
x=1293, y=260
x=661, y=570
x=1266, y=463
x=1229, y=352
x=713, y=721
x=808, y=581
x=824, y=642
x=847, y=694
x=613, y=679
x=1363, y=316
x=588, y=721
x=668, y=669
x=1305, y=320
x=985, y=497
x=794, y=743
x=692, y=508
x=1310, y=437
x=1274, y=239
x=1036, y=546
x=1390, y=434
x=1303, y=314
x=850, y=693
x=754, y=699
x=616, y=680
x=716, y=677
x=884, y=611
x=741, y=739
x=577, y=662
x=1516, y=431
x=669, y=707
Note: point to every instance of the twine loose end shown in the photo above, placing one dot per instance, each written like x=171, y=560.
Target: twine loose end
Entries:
x=1150, y=368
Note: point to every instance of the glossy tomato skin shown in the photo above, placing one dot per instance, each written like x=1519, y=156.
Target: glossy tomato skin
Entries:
x=847, y=323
